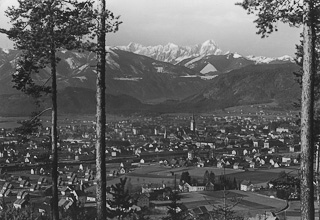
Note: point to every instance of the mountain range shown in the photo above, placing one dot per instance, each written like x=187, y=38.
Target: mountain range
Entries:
x=161, y=78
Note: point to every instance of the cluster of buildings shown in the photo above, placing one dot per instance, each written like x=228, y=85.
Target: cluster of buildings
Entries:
x=236, y=142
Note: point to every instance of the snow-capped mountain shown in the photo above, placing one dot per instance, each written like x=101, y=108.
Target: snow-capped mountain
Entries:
x=269, y=60
x=173, y=53
x=206, y=58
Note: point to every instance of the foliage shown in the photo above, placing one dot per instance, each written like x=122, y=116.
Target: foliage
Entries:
x=185, y=177
x=175, y=211
x=209, y=177
x=75, y=212
x=9, y=212
x=28, y=127
x=142, y=214
x=206, y=177
x=40, y=29
x=31, y=24
x=226, y=210
x=269, y=12
x=120, y=206
x=226, y=183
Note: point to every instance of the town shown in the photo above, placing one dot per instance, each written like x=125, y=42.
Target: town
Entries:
x=254, y=157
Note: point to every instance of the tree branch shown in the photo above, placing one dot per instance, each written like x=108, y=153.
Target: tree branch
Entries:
x=38, y=115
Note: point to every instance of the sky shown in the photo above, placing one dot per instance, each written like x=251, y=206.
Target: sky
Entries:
x=188, y=22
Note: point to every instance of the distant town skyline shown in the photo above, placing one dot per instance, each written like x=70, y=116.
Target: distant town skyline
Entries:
x=188, y=22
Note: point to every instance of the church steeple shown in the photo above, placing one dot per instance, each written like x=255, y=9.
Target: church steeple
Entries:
x=165, y=134
x=193, y=123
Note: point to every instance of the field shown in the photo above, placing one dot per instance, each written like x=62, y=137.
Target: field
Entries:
x=262, y=176
x=154, y=173
x=246, y=203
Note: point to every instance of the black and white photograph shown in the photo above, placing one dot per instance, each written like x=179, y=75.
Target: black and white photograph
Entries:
x=159, y=109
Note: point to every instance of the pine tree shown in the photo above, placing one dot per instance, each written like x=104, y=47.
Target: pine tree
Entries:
x=185, y=177
x=206, y=177
x=174, y=209
x=107, y=22
x=212, y=177
x=120, y=206
x=101, y=114
x=295, y=13
x=40, y=29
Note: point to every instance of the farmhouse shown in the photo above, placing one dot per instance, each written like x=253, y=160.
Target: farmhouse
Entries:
x=186, y=187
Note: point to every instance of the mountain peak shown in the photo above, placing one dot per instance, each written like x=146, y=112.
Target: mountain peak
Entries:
x=174, y=53
x=263, y=59
x=209, y=42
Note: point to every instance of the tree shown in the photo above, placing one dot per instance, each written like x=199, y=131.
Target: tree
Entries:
x=28, y=127
x=212, y=177
x=175, y=212
x=40, y=29
x=185, y=177
x=103, y=27
x=304, y=13
x=101, y=115
x=225, y=210
x=206, y=177
x=120, y=206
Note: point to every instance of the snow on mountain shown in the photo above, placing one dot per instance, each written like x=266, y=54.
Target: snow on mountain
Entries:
x=194, y=60
x=5, y=50
x=236, y=55
x=173, y=53
x=208, y=68
x=266, y=60
x=72, y=63
x=286, y=58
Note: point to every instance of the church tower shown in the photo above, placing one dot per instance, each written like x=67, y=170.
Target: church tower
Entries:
x=193, y=124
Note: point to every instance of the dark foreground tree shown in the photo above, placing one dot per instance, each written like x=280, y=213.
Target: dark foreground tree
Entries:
x=304, y=13
x=40, y=28
x=120, y=206
x=175, y=208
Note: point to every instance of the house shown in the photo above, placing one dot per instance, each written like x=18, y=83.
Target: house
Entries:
x=20, y=203
x=73, y=180
x=34, y=187
x=22, y=194
x=7, y=185
x=89, y=177
x=124, y=168
x=186, y=187
x=252, y=164
x=24, y=183
x=236, y=166
x=42, y=180
x=34, y=171
x=190, y=155
x=147, y=188
x=80, y=196
x=65, y=203
x=246, y=185
x=65, y=190
x=220, y=164
x=295, y=148
x=276, y=165
x=5, y=192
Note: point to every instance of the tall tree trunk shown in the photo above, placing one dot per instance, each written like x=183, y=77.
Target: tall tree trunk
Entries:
x=317, y=179
x=54, y=137
x=307, y=106
x=101, y=116
x=54, y=134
